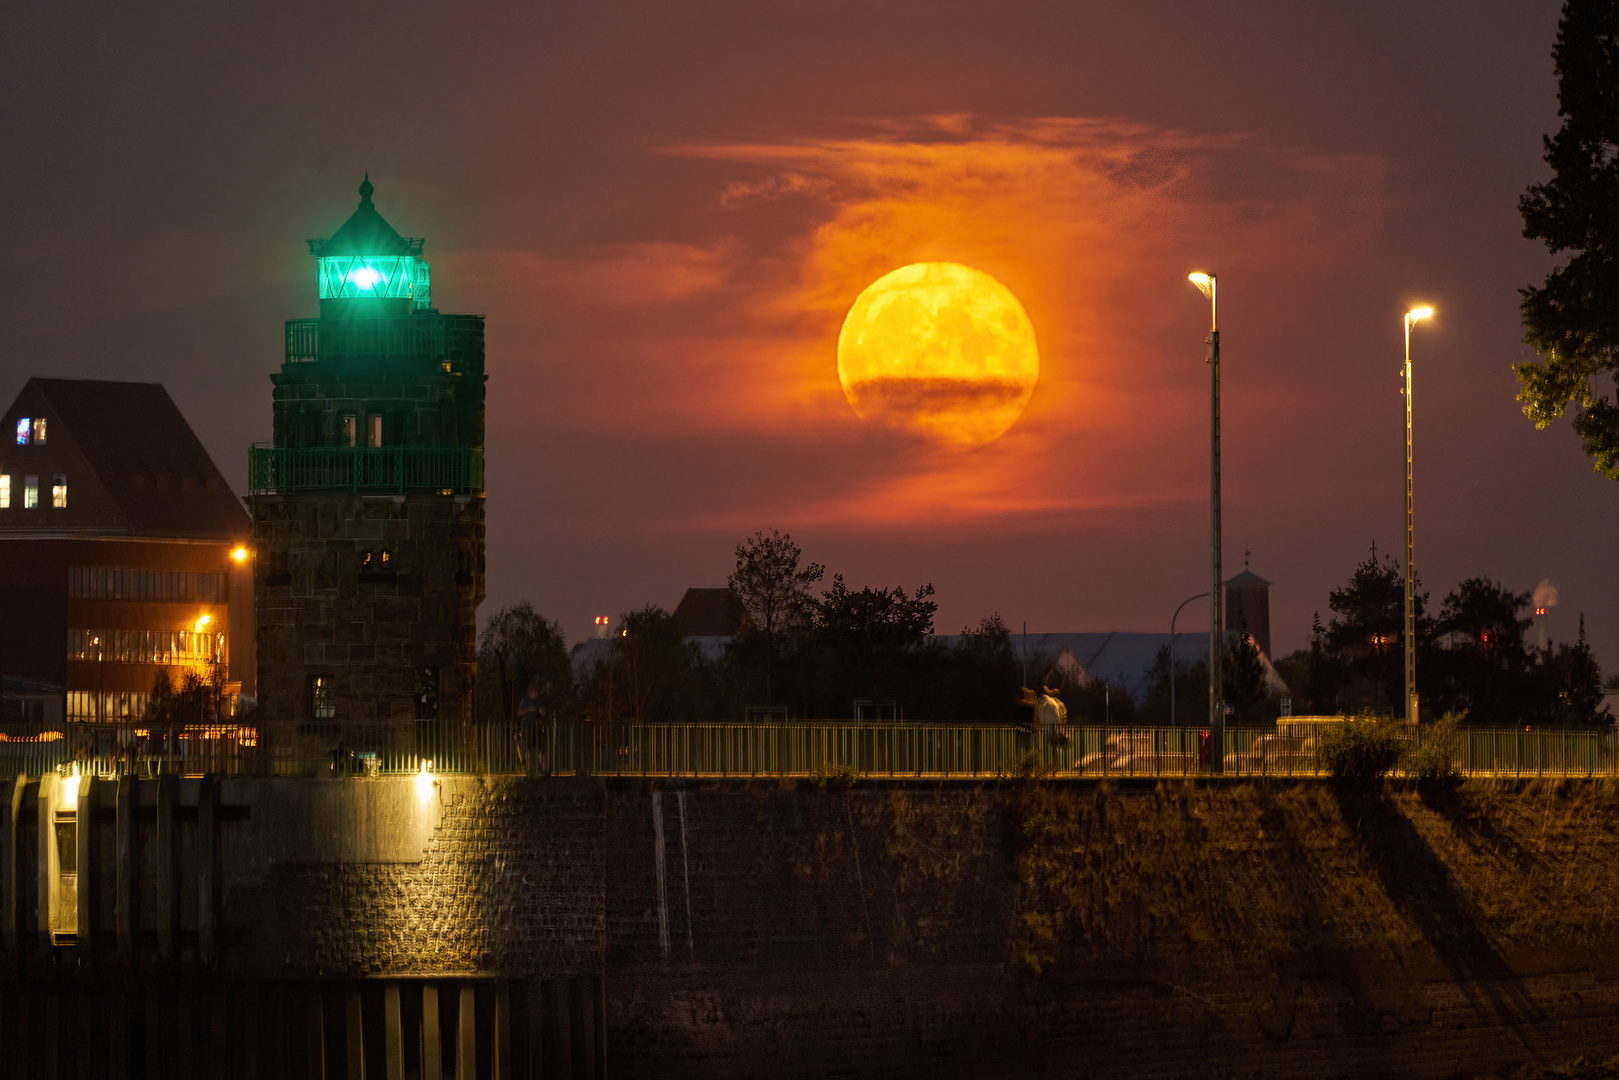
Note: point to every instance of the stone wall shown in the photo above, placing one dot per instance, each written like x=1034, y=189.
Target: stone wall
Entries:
x=369, y=632
x=1163, y=930
x=736, y=929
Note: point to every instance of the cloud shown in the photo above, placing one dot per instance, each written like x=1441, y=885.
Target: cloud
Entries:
x=728, y=335
x=742, y=192
x=606, y=280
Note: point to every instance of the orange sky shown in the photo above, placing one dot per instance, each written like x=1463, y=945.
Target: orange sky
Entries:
x=1093, y=225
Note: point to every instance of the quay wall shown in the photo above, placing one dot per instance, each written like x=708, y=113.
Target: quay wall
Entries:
x=591, y=927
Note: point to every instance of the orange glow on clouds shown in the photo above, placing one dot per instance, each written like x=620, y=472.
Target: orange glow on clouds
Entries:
x=730, y=331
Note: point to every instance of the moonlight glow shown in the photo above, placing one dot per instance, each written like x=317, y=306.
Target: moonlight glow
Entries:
x=941, y=350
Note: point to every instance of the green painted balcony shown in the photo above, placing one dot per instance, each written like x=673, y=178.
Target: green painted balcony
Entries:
x=416, y=337
x=447, y=470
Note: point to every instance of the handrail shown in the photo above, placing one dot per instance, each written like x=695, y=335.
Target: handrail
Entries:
x=806, y=749
x=447, y=469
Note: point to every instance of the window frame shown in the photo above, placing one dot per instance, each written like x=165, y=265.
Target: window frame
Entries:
x=322, y=705
x=59, y=491
x=30, y=491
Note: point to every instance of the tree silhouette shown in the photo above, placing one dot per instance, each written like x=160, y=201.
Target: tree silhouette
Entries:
x=774, y=590
x=1572, y=321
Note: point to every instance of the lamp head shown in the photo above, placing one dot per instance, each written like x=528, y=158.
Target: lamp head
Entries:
x=1418, y=313
x=202, y=622
x=1204, y=283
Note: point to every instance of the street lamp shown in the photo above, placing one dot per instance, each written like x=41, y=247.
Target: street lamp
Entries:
x=1205, y=285
x=1411, y=318
x=1172, y=635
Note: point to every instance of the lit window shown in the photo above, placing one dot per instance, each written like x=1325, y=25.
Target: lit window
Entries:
x=350, y=430
x=59, y=491
x=39, y=431
x=22, y=431
x=373, y=430
x=30, y=492
x=321, y=706
x=5, y=491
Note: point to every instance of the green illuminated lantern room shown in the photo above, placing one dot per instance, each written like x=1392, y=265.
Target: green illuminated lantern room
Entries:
x=382, y=392
x=367, y=261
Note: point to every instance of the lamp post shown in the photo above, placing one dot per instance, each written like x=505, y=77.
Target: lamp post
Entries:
x=1411, y=318
x=1172, y=619
x=1206, y=285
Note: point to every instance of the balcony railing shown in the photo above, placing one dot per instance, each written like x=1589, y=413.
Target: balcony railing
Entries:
x=418, y=337
x=451, y=470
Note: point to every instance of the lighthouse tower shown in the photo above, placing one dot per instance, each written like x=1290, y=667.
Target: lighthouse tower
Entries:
x=368, y=515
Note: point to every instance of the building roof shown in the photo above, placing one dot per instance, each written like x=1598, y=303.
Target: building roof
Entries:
x=1247, y=577
x=709, y=613
x=365, y=233
x=155, y=472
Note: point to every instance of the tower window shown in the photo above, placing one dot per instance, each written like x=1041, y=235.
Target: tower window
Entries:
x=30, y=492
x=321, y=705
x=351, y=424
x=5, y=491
x=427, y=693
x=38, y=438
x=373, y=430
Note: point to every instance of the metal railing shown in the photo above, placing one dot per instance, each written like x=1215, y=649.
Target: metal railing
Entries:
x=791, y=749
x=449, y=469
x=412, y=337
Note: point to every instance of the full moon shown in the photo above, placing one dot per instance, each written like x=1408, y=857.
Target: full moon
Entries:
x=939, y=350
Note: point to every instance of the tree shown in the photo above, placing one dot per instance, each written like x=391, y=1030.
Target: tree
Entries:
x=1368, y=627
x=986, y=672
x=520, y=646
x=656, y=662
x=1572, y=321
x=1191, y=696
x=1484, y=666
x=774, y=590
x=1571, y=684
x=1243, y=672
x=874, y=621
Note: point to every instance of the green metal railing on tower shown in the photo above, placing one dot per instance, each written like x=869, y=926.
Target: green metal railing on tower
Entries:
x=454, y=470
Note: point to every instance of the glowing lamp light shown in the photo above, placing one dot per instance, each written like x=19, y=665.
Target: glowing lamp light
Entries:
x=239, y=553
x=364, y=278
x=202, y=622
x=70, y=785
x=424, y=781
x=1204, y=283
x=1419, y=313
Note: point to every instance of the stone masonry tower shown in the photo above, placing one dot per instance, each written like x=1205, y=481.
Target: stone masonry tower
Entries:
x=368, y=515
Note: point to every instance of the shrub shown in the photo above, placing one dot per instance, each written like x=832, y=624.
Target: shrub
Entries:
x=1432, y=763
x=833, y=777
x=1361, y=751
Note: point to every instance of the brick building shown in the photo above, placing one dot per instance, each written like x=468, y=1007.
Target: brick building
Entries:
x=121, y=552
x=368, y=517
